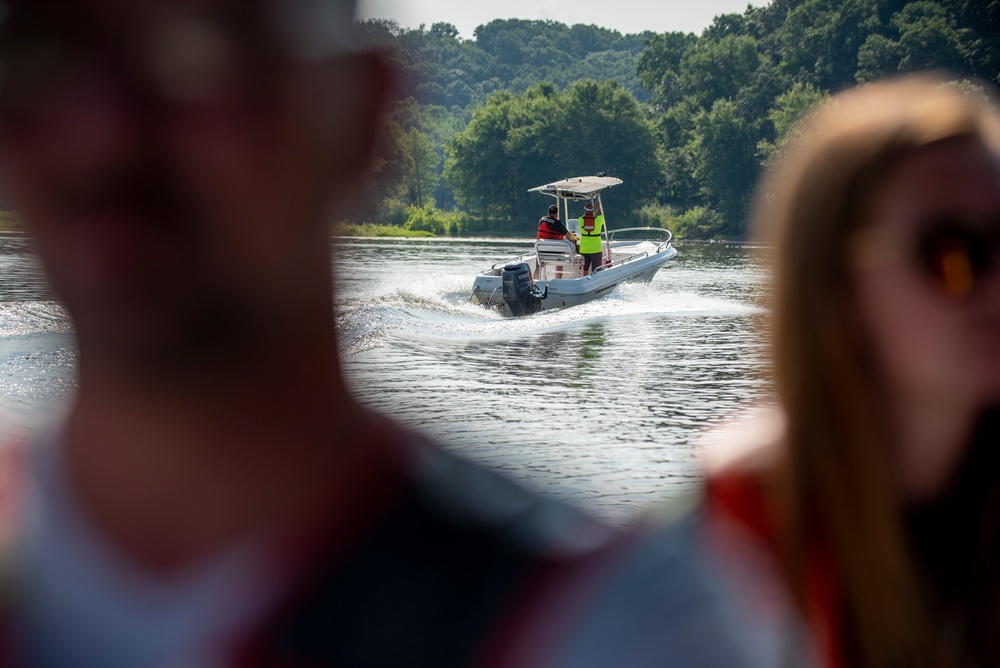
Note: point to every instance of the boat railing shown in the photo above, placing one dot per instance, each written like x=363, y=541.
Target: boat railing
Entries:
x=498, y=267
x=625, y=260
x=658, y=230
x=638, y=256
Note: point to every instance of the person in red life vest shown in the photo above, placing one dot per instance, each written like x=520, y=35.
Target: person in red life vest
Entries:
x=874, y=485
x=591, y=246
x=550, y=227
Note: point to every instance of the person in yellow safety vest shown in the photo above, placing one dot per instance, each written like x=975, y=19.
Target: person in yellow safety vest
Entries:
x=591, y=225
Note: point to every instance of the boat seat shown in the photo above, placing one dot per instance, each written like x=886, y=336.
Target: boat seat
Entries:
x=559, y=254
x=554, y=251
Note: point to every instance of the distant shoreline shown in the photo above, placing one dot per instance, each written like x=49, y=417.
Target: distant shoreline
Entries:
x=729, y=242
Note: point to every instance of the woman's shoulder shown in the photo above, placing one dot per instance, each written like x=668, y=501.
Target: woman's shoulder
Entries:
x=726, y=535
x=740, y=461
x=749, y=445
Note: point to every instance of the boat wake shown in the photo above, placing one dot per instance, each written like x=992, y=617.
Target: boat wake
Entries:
x=442, y=309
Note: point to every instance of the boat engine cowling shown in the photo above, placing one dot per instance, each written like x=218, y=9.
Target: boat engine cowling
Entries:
x=520, y=293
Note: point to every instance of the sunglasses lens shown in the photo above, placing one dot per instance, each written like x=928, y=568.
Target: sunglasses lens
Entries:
x=956, y=257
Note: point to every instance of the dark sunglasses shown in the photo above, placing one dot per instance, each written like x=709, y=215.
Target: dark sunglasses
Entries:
x=958, y=253
x=955, y=253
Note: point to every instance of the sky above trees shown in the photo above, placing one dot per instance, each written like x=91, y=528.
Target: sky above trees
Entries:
x=625, y=16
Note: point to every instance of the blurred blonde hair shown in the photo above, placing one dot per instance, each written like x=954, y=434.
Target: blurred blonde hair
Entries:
x=834, y=484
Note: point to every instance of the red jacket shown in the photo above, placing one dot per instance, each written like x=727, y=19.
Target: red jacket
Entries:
x=546, y=231
x=736, y=493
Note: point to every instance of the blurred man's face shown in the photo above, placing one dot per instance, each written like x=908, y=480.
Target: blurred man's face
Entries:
x=173, y=160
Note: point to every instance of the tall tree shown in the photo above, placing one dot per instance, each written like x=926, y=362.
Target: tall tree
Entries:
x=517, y=142
x=660, y=64
x=717, y=69
x=726, y=163
x=929, y=38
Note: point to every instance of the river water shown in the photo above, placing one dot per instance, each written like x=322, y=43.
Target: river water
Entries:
x=601, y=404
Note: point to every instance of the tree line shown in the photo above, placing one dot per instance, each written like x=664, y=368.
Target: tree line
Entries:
x=687, y=121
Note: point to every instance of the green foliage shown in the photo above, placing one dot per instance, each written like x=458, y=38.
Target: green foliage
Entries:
x=656, y=215
x=399, y=219
x=687, y=121
x=878, y=55
x=419, y=170
x=375, y=230
x=515, y=142
x=440, y=68
x=819, y=40
x=980, y=20
x=659, y=64
x=699, y=223
x=680, y=186
x=928, y=37
x=601, y=127
x=395, y=212
x=717, y=69
x=10, y=221
x=478, y=160
x=724, y=102
x=427, y=219
x=726, y=163
x=465, y=224
x=730, y=25
x=788, y=110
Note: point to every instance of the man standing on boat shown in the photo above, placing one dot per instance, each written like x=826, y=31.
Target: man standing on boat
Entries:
x=550, y=227
x=591, y=247
x=215, y=495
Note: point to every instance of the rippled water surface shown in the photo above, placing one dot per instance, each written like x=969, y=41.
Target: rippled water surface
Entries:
x=37, y=357
x=600, y=404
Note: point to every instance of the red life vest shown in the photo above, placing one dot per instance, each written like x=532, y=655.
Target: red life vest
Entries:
x=545, y=229
x=588, y=222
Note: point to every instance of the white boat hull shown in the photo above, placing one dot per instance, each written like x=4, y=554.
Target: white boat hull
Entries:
x=632, y=262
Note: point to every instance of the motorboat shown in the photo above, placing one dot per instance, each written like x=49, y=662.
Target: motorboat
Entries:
x=551, y=275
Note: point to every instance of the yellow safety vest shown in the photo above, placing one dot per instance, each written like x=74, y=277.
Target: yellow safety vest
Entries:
x=590, y=242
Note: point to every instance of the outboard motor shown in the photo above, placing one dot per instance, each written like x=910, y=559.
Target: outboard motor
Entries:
x=520, y=293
